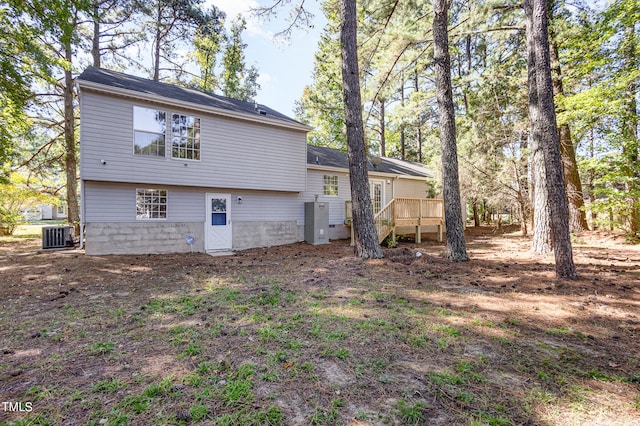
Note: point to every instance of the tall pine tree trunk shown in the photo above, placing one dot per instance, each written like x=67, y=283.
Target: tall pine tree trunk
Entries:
x=403, y=144
x=365, y=233
x=419, y=129
x=575, y=196
x=522, y=172
x=591, y=182
x=95, y=37
x=631, y=148
x=541, y=226
x=157, y=42
x=476, y=215
x=547, y=126
x=456, y=246
x=383, y=141
x=70, y=160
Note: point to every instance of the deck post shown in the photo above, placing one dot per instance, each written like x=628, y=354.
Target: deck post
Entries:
x=353, y=237
x=419, y=226
x=440, y=232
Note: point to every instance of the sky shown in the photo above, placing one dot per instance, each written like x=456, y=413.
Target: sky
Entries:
x=285, y=66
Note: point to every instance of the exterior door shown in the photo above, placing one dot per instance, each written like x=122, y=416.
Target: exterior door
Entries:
x=218, y=222
x=376, y=190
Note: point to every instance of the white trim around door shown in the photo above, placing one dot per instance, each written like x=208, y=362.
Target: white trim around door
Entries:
x=217, y=225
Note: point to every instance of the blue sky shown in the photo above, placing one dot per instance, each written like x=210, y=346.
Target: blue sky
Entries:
x=285, y=66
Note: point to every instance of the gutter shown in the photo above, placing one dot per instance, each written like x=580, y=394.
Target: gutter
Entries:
x=373, y=173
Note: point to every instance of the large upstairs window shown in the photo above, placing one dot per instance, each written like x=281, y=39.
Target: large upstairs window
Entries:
x=152, y=129
x=185, y=137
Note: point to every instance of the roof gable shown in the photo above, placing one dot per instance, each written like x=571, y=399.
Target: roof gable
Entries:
x=330, y=157
x=113, y=79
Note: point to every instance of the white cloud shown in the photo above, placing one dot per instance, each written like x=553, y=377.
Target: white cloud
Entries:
x=233, y=8
x=266, y=81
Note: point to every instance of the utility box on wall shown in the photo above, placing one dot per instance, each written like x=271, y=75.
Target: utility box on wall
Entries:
x=316, y=222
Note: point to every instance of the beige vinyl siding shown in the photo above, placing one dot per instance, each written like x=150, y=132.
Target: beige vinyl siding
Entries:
x=115, y=202
x=410, y=188
x=387, y=184
x=234, y=153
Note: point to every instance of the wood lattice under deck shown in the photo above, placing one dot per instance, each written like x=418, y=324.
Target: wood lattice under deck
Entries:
x=403, y=212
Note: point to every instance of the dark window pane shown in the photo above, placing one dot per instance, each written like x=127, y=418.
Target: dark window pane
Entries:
x=218, y=219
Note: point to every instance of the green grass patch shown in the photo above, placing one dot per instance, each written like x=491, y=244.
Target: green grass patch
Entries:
x=559, y=331
x=137, y=404
x=108, y=386
x=198, y=412
x=445, y=378
x=411, y=413
x=159, y=389
x=239, y=388
x=272, y=416
x=327, y=416
x=488, y=419
x=101, y=348
x=448, y=330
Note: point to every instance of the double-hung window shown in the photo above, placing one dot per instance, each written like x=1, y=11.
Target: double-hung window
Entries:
x=149, y=129
x=330, y=185
x=151, y=204
x=185, y=137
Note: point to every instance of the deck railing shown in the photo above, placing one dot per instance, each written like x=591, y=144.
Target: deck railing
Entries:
x=419, y=211
x=385, y=220
x=405, y=212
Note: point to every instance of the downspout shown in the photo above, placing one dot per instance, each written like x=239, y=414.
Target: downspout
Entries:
x=394, y=182
x=82, y=204
x=82, y=215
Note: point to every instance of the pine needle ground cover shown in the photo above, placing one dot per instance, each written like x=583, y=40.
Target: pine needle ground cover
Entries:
x=305, y=335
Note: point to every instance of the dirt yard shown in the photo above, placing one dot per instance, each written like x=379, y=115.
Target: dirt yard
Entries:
x=301, y=334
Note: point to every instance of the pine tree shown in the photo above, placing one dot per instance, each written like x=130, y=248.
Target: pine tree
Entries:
x=541, y=242
x=365, y=234
x=549, y=139
x=456, y=247
x=238, y=81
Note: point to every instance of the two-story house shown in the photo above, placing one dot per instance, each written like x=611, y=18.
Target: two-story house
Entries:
x=169, y=169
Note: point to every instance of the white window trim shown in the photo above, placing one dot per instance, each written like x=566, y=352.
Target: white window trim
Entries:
x=151, y=219
x=170, y=138
x=133, y=134
x=168, y=135
x=337, y=178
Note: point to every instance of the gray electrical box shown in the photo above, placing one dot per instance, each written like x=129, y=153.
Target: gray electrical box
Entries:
x=316, y=222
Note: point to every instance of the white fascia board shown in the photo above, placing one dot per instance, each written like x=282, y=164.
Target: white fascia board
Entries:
x=110, y=90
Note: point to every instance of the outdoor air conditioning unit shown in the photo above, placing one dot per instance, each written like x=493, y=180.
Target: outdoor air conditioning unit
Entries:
x=316, y=223
x=57, y=237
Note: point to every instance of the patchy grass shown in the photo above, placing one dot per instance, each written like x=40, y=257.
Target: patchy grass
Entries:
x=310, y=335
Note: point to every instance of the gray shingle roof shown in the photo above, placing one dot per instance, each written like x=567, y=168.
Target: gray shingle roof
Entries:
x=330, y=157
x=150, y=87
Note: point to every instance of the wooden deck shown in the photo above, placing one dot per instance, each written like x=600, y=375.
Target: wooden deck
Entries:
x=405, y=212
